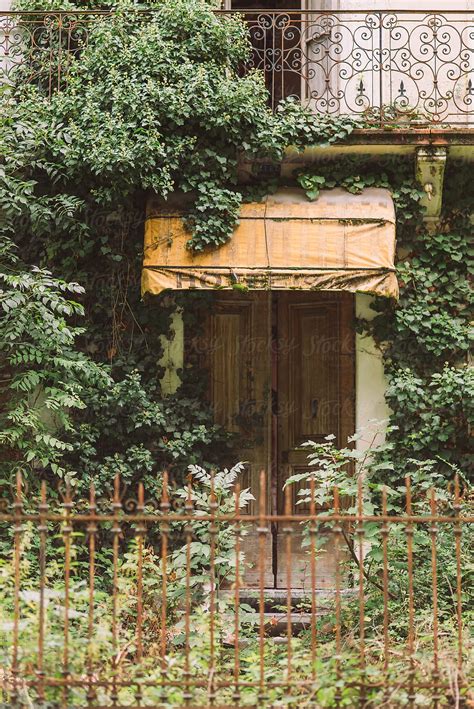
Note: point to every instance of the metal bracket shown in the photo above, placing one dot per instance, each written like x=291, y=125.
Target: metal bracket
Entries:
x=430, y=165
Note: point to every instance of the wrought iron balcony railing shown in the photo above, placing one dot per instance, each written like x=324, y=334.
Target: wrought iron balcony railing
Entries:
x=394, y=67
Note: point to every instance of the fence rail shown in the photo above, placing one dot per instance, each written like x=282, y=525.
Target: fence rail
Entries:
x=388, y=67
x=147, y=602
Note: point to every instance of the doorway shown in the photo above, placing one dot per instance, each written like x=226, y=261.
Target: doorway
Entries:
x=281, y=369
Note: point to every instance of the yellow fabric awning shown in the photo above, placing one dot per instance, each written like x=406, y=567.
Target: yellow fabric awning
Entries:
x=339, y=242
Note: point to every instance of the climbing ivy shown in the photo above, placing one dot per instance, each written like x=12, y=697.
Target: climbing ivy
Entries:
x=426, y=335
x=146, y=109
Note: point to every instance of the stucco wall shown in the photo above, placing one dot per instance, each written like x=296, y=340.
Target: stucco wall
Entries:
x=370, y=380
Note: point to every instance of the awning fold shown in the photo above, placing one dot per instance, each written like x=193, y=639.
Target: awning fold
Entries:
x=339, y=242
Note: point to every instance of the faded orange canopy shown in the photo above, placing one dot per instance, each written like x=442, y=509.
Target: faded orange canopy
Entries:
x=340, y=242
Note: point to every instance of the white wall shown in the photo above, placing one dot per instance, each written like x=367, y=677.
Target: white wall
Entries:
x=370, y=379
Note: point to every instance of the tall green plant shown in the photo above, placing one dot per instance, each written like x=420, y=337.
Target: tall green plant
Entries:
x=362, y=477
x=43, y=375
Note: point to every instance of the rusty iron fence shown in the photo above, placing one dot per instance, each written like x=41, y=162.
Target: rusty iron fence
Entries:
x=143, y=602
x=407, y=67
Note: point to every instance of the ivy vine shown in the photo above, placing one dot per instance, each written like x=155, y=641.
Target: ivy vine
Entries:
x=146, y=109
x=149, y=109
x=426, y=336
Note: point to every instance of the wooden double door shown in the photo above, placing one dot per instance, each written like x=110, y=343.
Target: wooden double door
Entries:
x=281, y=373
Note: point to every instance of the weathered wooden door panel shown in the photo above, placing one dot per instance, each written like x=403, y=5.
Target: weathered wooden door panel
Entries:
x=239, y=347
x=315, y=399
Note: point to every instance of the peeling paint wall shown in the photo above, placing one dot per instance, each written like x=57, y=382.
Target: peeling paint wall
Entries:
x=173, y=354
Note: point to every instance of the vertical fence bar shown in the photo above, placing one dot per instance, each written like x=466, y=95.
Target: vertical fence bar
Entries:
x=212, y=596
x=262, y=537
x=312, y=541
x=51, y=55
x=92, y=533
x=434, y=576
x=42, y=530
x=457, y=542
x=436, y=48
x=140, y=532
x=411, y=602
x=17, y=531
x=381, y=97
x=187, y=600
x=282, y=52
x=385, y=530
x=116, y=530
x=238, y=529
x=327, y=84
x=289, y=625
x=264, y=53
x=272, y=63
x=67, y=532
x=164, y=528
x=61, y=20
x=337, y=530
x=68, y=50
x=360, y=537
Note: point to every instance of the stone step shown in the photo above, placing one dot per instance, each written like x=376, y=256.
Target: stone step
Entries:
x=277, y=623
x=277, y=598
